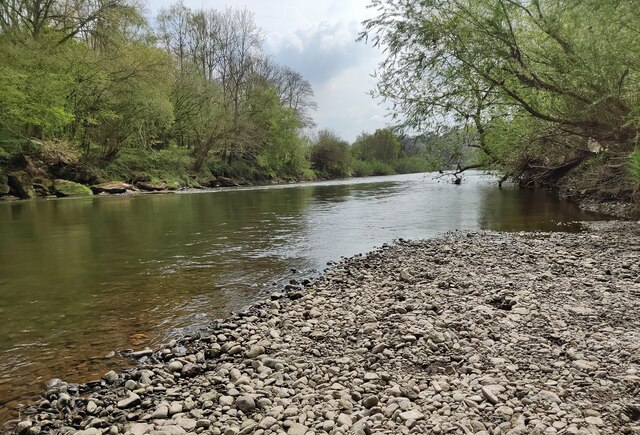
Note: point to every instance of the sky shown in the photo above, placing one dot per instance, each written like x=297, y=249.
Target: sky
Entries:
x=317, y=38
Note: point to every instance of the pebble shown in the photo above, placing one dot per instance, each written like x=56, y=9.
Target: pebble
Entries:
x=267, y=423
x=132, y=400
x=161, y=413
x=297, y=429
x=245, y=404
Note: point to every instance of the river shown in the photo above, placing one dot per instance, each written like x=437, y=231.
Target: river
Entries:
x=80, y=278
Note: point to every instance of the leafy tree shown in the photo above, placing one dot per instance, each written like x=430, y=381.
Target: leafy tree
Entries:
x=556, y=67
x=91, y=81
x=33, y=90
x=66, y=19
x=279, y=148
x=382, y=145
x=122, y=102
x=330, y=155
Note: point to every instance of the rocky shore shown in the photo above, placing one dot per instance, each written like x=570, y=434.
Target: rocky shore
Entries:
x=21, y=185
x=481, y=333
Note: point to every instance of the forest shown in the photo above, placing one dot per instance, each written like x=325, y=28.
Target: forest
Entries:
x=92, y=91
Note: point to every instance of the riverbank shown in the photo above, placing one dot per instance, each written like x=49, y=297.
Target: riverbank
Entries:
x=49, y=189
x=468, y=333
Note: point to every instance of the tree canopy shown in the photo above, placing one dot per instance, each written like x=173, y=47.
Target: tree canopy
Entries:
x=94, y=79
x=541, y=82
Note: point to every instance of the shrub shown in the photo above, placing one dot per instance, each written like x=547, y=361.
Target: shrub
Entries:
x=413, y=164
x=170, y=164
x=330, y=155
x=367, y=168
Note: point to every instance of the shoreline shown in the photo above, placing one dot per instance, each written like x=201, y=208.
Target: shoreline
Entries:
x=414, y=337
x=614, y=210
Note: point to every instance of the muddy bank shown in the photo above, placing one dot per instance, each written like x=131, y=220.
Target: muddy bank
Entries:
x=483, y=333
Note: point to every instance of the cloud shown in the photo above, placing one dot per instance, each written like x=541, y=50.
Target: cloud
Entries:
x=345, y=105
x=339, y=69
x=321, y=52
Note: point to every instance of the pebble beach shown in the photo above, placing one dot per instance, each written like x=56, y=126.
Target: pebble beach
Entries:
x=468, y=333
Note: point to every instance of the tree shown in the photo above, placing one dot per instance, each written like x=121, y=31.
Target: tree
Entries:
x=330, y=155
x=91, y=79
x=33, y=90
x=382, y=145
x=224, y=48
x=70, y=19
x=294, y=91
x=555, y=65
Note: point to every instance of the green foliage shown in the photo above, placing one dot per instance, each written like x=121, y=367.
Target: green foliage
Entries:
x=382, y=153
x=279, y=152
x=414, y=164
x=634, y=165
x=330, y=156
x=536, y=82
x=125, y=103
x=383, y=146
x=236, y=169
x=96, y=79
x=368, y=168
x=34, y=85
x=170, y=164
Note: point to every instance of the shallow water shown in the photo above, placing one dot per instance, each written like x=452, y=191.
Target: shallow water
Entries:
x=82, y=277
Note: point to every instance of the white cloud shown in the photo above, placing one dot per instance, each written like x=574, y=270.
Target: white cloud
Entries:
x=350, y=109
x=317, y=39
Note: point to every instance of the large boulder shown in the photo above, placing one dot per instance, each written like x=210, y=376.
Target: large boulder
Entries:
x=4, y=186
x=66, y=188
x=43, y=186
x=151, y=186
x=112, y=187
x=20, y=184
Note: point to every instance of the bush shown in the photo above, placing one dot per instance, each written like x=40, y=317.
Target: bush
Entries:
x=237, y=169
x=414, y=164
x=367, y=168
x=309, y=175
x=330, y=155
x=170, y=165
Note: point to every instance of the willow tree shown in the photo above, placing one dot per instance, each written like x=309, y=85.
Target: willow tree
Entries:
x=565, y=72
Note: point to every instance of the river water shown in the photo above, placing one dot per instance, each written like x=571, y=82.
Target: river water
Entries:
x=80, y=278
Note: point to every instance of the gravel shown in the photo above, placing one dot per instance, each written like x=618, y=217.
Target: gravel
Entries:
x=480, y=333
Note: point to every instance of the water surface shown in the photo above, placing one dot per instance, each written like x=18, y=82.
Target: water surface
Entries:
x=82, y=277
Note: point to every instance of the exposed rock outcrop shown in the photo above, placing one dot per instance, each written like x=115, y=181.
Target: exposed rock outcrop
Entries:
x=21, y=185
x=112, y=187
x=66, y=188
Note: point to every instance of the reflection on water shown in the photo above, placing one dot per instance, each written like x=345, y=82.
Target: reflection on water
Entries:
x=80, y=278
